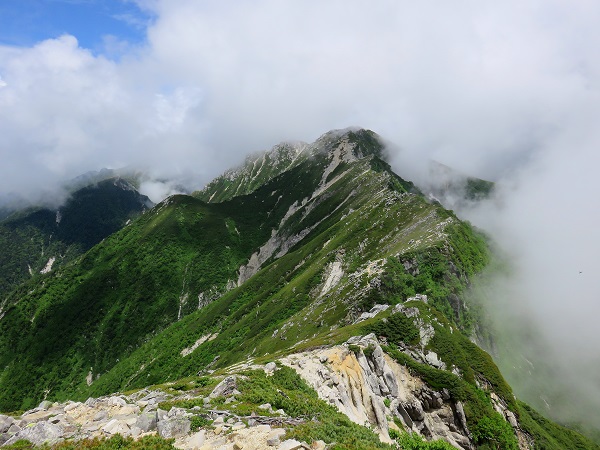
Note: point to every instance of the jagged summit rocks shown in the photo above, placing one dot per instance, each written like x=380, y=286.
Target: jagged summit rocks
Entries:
x=339, y=145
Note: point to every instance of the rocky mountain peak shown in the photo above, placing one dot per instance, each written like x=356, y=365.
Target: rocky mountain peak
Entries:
x=353, y=142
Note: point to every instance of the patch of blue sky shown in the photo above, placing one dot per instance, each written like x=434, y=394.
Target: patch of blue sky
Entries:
x=92, y=22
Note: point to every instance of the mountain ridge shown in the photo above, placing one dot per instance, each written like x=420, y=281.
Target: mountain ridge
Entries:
x=36, y=239
x=330, y=251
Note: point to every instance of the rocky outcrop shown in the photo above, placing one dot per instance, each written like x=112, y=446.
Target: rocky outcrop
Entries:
x=139, y=414
x=372, y=389
x=372, y=313
x=105, y=416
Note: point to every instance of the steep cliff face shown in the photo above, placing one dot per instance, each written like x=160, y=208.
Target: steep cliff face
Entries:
x=373, y=389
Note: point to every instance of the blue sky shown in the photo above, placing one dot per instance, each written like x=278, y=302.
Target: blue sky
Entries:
x=25, y=22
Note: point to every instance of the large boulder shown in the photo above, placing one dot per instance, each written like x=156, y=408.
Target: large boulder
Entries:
x=146, y=422
x=224, y=388
x=38, y=434
x=174, y=427
x=5, y=423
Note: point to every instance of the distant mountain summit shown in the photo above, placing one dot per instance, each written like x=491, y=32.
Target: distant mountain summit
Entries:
x=264, y=166
x=37, y=239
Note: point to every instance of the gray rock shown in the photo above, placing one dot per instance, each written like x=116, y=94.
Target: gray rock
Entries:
x=91, y=428
x=270, y=367
x=390, y=381
x=173, y=428
x=5, y=423
x=196, y=440
x=129, y=409
x=408, y=312
x=151, y=408
x=72, y=406
x=44, y=405
x=273, y=441
x=115, y=426
x=116, y=401
x=38, y=434
x=274, y=437
x=100, y=415
x=291, y=444
x=432, y=359
x=161, y=414
x=110, y=425
x=238, y=426
x=225, y=387
x=59, y=418
x=405, y=416
x=365, y=341
x=372, y=313
x=418, y=298
x=415, y=410
x=129, y=419
x=378, y=360
x=511, y=419
x=437, y=400
x=460, y=413
x=14, y=429
x=177, y=412
x=146, y=422
x=370, y=377
x=445, y=394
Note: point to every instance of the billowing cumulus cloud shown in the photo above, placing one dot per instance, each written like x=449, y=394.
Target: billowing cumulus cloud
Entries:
x=503, y=90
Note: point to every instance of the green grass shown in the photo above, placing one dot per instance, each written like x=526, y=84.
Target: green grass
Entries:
x=550, y=436
x=477, y=404
x=116, y=442
x=286, y=390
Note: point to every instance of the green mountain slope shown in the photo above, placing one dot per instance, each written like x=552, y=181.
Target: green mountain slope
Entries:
x=326, y=243
x=35, y=240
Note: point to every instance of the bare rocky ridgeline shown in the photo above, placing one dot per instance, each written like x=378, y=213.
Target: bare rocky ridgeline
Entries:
x=358, y=378
x=138, y=415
